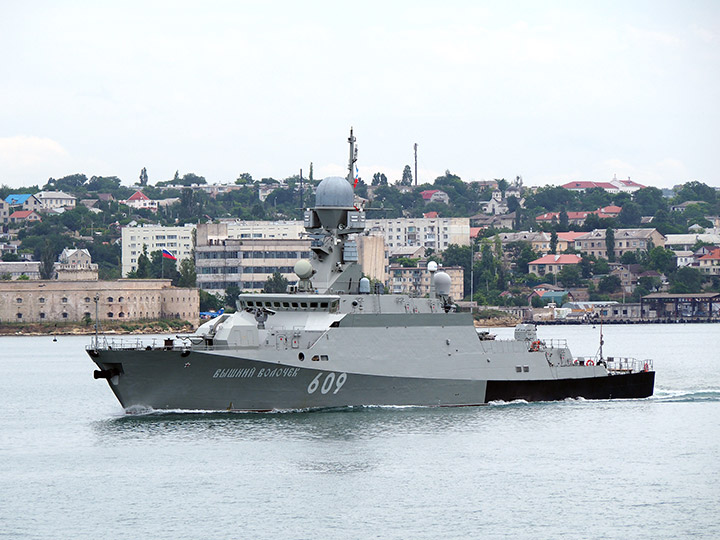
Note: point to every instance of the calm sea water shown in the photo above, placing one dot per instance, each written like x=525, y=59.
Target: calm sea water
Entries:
x=74, y=465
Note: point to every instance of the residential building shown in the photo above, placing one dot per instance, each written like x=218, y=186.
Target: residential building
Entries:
x=578, y=218
x=373, y=257
x=141, y=201
x=126, y=299
x=710, y=263
x=497, y=221
x=552, y=264
x=415, y=280
x=435, y=195
x=221, y=261
x=614, y=186
x=685, y=242
x=24, y=216
x=25, y=201
x=626, y=240
x=290, y=229
x=19, y=270
x=4, y=212
x=76, y=265
x=55, y=199
x=434, y=233
x=177, y=240
x=496, y=205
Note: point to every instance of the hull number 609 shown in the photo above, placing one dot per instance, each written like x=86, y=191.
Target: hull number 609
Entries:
x=330, y=382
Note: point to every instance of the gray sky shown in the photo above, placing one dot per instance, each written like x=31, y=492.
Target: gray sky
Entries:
x=552, y=91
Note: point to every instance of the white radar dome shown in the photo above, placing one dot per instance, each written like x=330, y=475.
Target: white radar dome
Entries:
x=432, y=266
x=334, y=192
x=442, y=283
x=303, y=269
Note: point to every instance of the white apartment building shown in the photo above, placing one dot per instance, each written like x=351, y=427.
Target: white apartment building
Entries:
x=280, y=230
x=436, y=233
x=177, y=240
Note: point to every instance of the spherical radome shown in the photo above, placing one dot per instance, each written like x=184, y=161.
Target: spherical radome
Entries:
x=303, y=269
x=442, y=283
x=432, y=266
x=334, y=192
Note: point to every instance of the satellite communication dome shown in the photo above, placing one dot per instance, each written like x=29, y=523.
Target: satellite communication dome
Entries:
x=334, y=192
x=303, y=269
x=442, y=283
x=432, y=266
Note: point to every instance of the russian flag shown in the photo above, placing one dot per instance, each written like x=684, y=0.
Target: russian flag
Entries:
x=167, y=255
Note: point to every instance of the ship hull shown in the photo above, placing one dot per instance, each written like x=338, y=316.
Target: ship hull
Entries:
x=171, y=380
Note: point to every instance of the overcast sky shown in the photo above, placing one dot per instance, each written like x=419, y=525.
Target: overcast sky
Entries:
x=551, y=91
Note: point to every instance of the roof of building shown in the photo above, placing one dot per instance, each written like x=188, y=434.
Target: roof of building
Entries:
x=54, y=195
x=588, y=185
x=428, y=193
x=619, y=233
x=713, y=255
x=17, y=198
x=569, y=236
x=430, y=215
x=22, y=214
x=558, y=259
x=138, y=196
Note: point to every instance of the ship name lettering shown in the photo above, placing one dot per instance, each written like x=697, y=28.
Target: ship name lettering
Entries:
x=278, y=372
x=242, y=373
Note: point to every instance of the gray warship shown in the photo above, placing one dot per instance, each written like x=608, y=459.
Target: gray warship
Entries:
x=332, y=342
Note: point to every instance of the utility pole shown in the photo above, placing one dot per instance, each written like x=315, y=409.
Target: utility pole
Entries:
x=415, y=164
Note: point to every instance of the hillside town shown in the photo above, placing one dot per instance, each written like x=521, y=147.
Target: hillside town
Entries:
x=79, y=249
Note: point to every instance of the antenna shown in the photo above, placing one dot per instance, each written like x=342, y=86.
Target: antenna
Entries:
x=353, y=156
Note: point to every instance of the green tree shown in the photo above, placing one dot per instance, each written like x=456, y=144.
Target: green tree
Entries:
x=188, y=275
x=47, y=263
x=231, y=294
x=609, y=284
x=143, y=265
x=610, y=244
x=143, y=177
x=686, y=280
x=379, y=179
x=661, y=259
x=407, y=177
x=553, y=242
x=630, y=215
x=276, y=284
x=570, y=275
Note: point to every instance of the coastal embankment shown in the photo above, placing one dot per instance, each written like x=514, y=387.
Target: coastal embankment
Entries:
x=107, y=327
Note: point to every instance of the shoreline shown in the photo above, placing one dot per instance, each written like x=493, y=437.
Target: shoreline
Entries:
x=107, y=328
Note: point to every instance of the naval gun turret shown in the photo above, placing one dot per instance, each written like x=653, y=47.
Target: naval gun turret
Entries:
x=333, y=255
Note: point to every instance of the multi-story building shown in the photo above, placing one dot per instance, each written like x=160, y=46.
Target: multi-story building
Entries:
x=55, y=199
x=177, y=240
x=24, y=201
x=76, y=265
x=125, y=299
x=291, y=229
x=4, y=212
x=415, y=280
x=710, y=263
x=221, y=261
x=552, y=264
x=436, y=233
x=626, y=240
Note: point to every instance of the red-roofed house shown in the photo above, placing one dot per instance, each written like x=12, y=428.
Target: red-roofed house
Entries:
x=435, y=195
x=141, y=201
x=552, y=264
x=431, y=215
x=710, y=263
x=25, y=216
x=578, y=218
x=614, y=186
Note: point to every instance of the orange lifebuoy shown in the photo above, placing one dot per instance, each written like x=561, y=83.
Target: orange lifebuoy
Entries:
x=646, y=367
x=535, y=346
x=589, y=363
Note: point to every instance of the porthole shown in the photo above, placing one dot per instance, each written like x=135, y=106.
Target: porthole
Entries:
x=301, y=356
